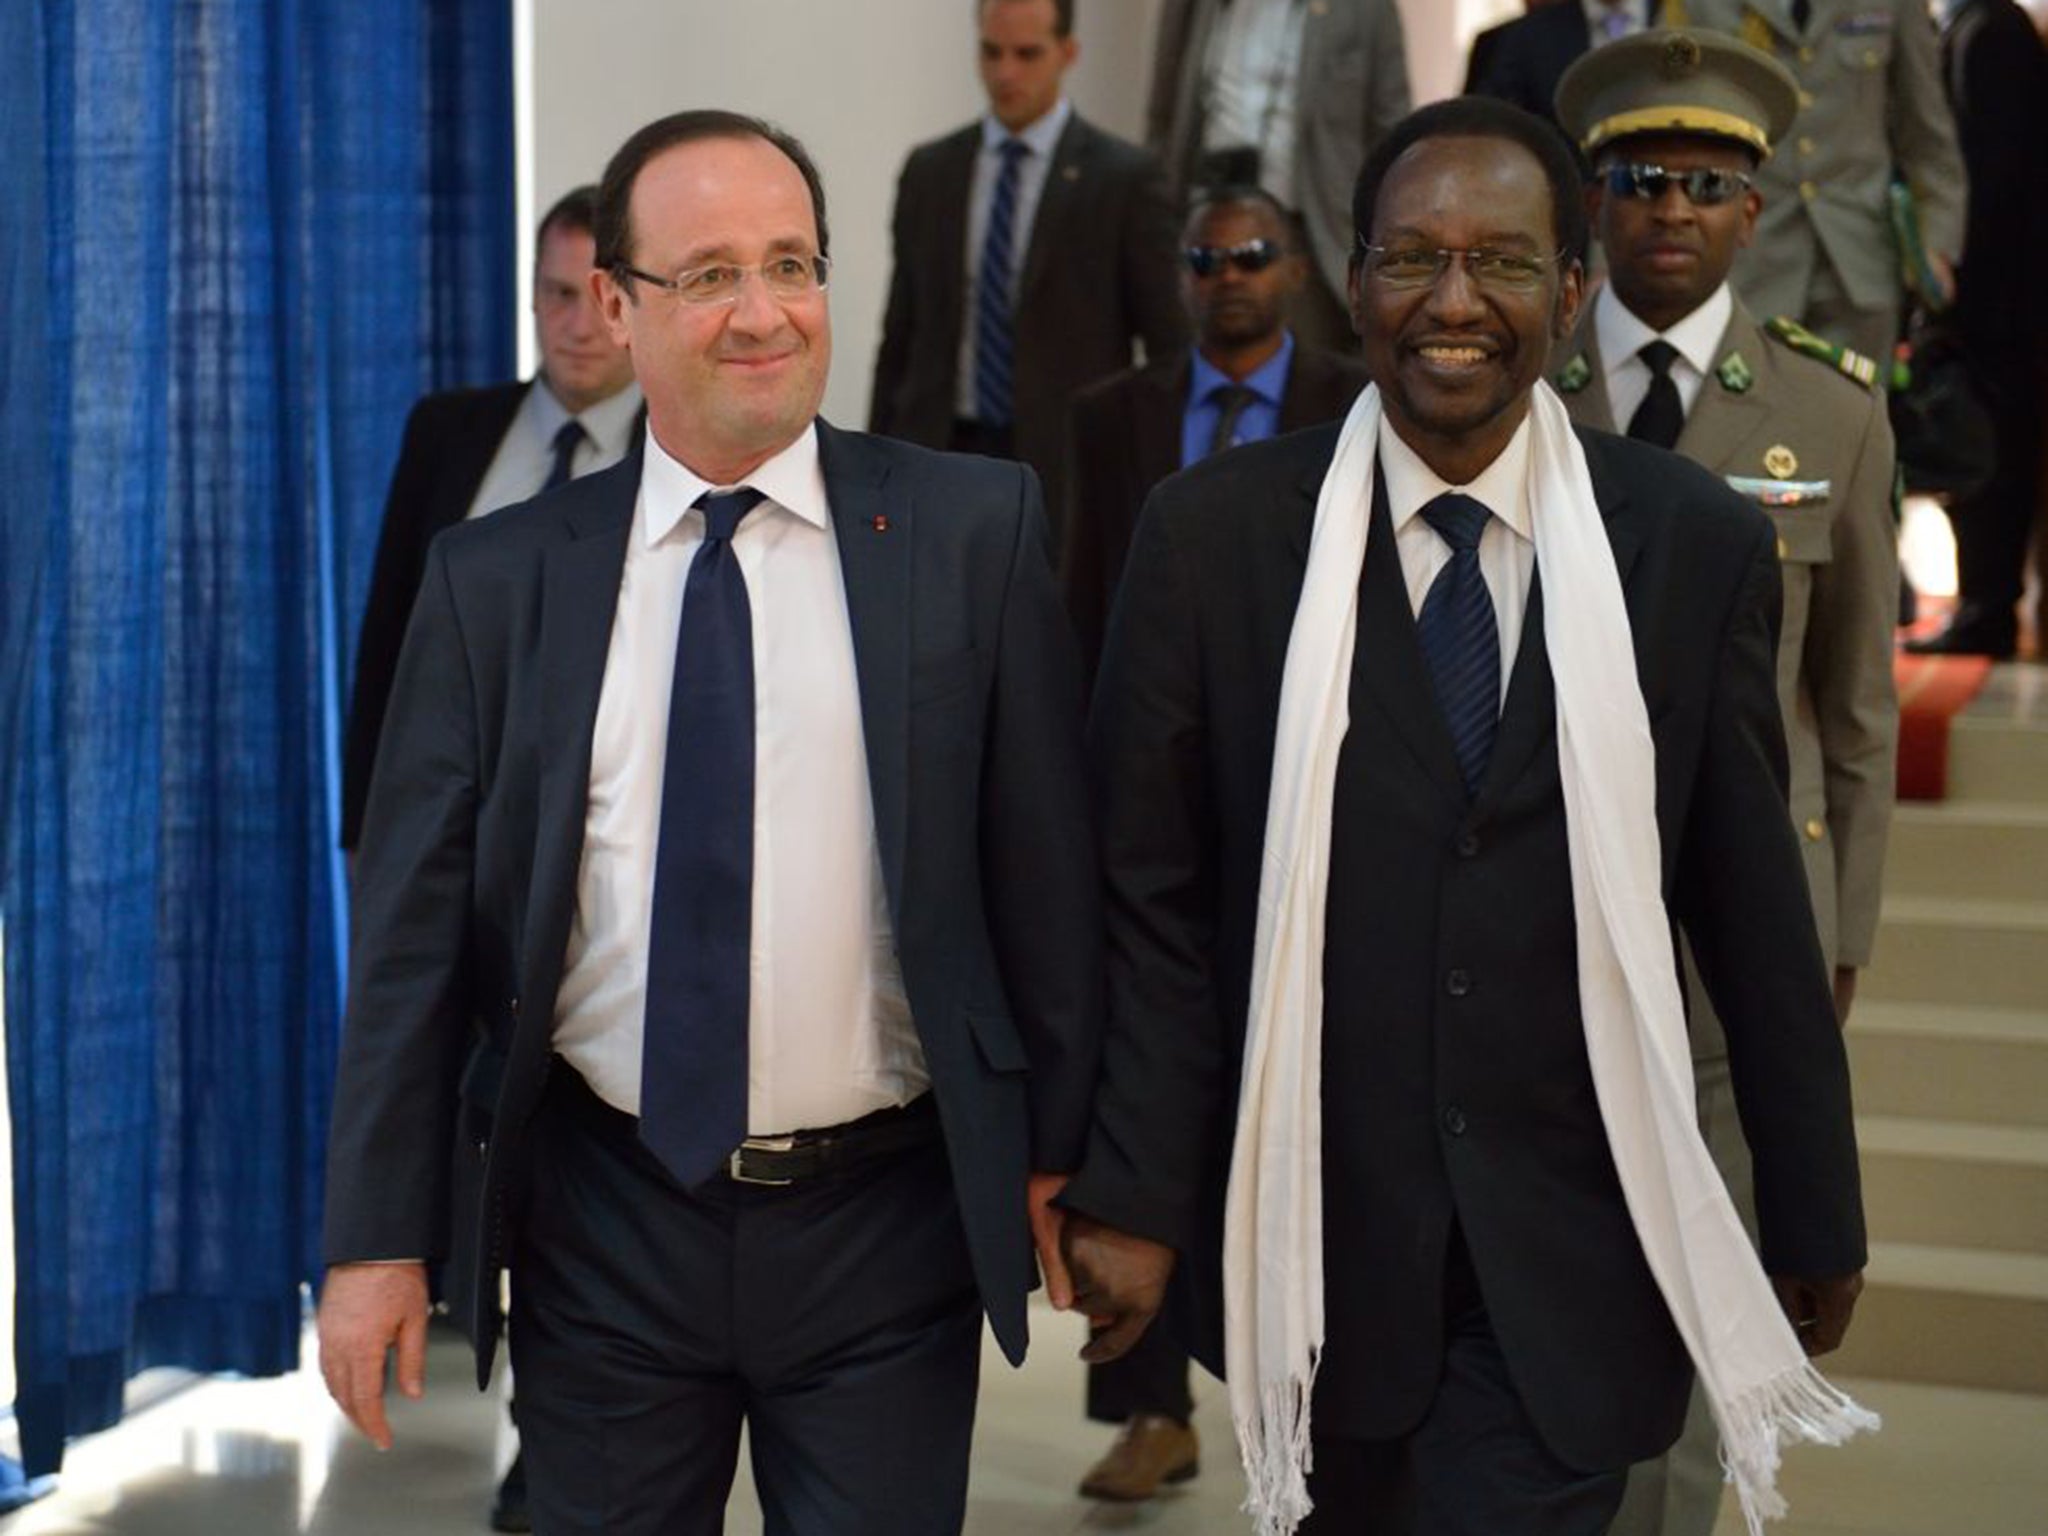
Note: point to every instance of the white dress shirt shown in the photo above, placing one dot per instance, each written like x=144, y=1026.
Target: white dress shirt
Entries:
x=1041, y=138
x=1250, y=86
x=1507, y=549
x=1621, y=336
x=830, y=1034
x=526, y=453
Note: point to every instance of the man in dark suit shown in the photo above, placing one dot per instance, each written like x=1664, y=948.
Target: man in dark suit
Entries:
x=730, y=851
x=1496, y=1349
x=1247, y=378
x=468, y=452
x=1032, y=252
x=1997, y=76
x=1525, y=58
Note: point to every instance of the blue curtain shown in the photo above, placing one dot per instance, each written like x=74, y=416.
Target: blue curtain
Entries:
x=237, y=239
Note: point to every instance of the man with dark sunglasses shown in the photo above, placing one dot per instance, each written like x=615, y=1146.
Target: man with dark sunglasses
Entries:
x=1248, y=378
x=1671, y=356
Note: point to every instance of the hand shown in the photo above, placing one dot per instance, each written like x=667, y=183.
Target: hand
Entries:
x=1818, y=1309
x=1845, y=993
x=1119, y=1282
x=366, y=1310
x=1944, y=276
x=1046, y=1222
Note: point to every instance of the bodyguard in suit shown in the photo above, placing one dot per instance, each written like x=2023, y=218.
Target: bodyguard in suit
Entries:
x=730, y=847
x=1247, y=378
x=1416, y=738
x=1291, y=94
x=1529, y=55
x=1033, y=253
x=1671, y=355
x=468, y=452
x=1871, y=112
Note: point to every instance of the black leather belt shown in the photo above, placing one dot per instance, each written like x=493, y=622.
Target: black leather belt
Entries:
x=803, y=1155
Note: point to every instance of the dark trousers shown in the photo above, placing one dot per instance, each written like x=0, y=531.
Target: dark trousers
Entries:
x=1994, y=527
x=1474, y=1466
x=1152, y=1378
x=838, y=1318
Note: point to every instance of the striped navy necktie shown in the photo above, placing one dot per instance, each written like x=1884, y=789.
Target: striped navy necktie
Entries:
x=1460, y=638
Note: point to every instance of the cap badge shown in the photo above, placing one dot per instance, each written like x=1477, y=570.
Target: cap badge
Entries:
x=1681, y=56
x=1780, y=462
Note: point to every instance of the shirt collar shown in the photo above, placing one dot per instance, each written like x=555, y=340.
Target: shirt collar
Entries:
x=1041, y=136
x=1621, y=334
x=609, y=422
x=792, y=479
x=1268, y=381
x=1503, y=486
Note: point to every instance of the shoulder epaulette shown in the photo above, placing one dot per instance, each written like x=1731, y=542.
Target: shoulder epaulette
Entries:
x=1844, y=361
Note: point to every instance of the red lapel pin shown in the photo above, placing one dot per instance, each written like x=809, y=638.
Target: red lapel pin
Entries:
x=881, y=523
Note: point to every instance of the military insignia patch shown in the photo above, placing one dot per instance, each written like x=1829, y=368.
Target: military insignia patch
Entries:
x=1849, y=364
x=1735, y=374
x=1575, y=375
x=1780, y=462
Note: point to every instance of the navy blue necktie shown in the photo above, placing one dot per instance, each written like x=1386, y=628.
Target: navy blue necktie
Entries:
x=693, y=1071
x=1460, y=640
x=994, y=330
x=568, y=438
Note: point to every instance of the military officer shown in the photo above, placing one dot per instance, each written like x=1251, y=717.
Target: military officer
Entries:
x=1870, y=110
x=1676, y=124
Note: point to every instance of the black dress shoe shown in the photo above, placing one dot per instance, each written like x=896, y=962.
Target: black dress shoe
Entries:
x=508, y=1509
x=1972, y=632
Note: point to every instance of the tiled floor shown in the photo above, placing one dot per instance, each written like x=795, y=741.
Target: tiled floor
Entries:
x=269, y=1458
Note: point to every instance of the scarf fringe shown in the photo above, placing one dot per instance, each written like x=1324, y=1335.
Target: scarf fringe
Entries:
x=1277, y=1455
x=1800, y=1405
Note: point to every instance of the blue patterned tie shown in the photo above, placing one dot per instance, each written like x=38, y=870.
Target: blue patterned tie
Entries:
x=993, y=327
x=568, y=438
x=693, y=1071
x=1460, y=640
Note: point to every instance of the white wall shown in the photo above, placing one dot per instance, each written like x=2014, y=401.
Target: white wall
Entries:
x=860, y=82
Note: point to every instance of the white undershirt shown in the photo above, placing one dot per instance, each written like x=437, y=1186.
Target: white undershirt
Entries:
x=1251, y=82
x=1507, y=549
x=1621, y=336
x=526, y=453
x=830, y=1034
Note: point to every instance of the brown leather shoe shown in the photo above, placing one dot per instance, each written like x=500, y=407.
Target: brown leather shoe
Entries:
x=1152, y=1450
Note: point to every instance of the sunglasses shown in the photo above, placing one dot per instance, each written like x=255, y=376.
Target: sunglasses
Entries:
x=1704, y=188
x=1252, y=256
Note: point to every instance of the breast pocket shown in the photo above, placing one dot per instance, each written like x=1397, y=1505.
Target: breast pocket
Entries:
x=1863, y=44
x=1805, y=536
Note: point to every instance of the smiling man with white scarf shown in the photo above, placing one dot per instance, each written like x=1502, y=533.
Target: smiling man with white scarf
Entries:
x=1416, y=738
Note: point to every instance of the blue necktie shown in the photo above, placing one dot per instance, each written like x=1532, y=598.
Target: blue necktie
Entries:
x=993, y=325
x=693, y=1072
x=1460, y=640
x=568, y=438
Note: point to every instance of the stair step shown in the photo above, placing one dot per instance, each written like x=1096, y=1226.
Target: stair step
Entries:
x=1955, y=1184
x=1957, y=1316
x=1994, y=757
x=1987, y=1065
x=1950, y=950
x=1970, y=849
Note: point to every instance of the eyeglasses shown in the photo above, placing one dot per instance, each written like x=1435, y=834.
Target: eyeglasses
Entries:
x=1704, y=187
x=1415, y=266
x=785, y=277
x=1252, y=256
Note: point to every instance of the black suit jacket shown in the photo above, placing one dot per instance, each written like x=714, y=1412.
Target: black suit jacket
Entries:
x=1456, y=1085
x=466, y=880
x=1126, y=438
x=1098, y=274
x=1529, y=55
x=450, y=440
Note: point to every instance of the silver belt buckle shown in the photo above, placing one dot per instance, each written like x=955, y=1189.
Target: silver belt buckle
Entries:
x=737, y=1173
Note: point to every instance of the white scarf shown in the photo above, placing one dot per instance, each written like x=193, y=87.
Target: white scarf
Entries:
x=1763, y=1391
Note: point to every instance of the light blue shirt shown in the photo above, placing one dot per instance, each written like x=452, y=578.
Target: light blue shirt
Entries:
x=1260, y=419
x=1041, y=138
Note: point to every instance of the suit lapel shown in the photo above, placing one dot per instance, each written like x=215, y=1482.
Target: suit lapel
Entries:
x=875, y=533
x=953, y=259
x=1073, y=159
x=1156, y=425
x=1593, y=403
x=1722, y=418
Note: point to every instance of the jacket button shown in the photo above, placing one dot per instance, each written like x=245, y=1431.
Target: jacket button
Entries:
x=1468, y=845
x=1454, y=1120
x=1815, y=831
x=1458, y=983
